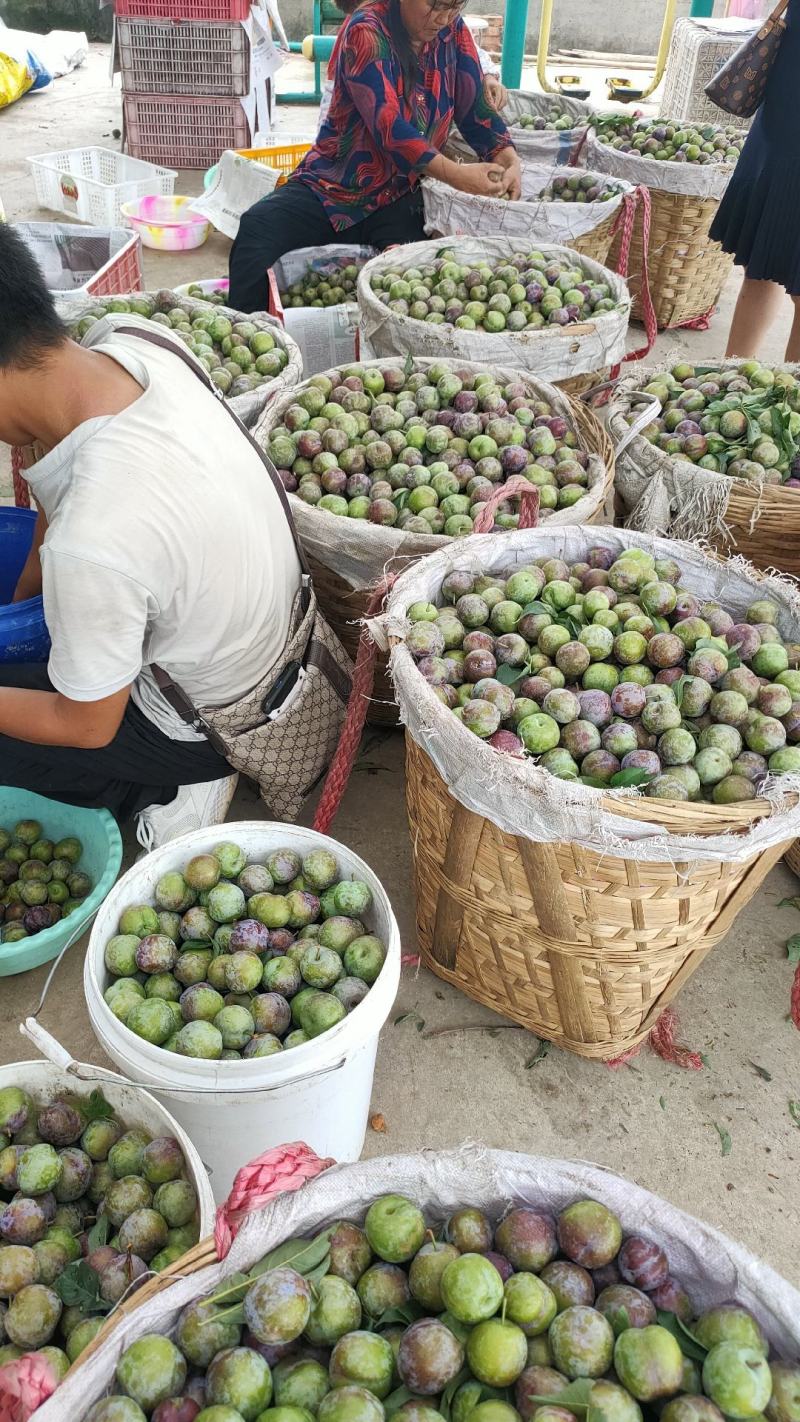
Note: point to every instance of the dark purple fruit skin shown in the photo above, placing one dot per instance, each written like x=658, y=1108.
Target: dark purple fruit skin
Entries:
x=501, y=1264
x=470, y=1231
x=673, y=1298
x=643, y=1263
x=605, y=1276
x=527, y=1239
x=624, y=1306
x=429, y=1357
x=534, y=1383
x=60, y=1124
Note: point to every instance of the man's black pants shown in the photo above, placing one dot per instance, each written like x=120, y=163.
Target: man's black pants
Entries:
x=141, y=766
x=293, y=217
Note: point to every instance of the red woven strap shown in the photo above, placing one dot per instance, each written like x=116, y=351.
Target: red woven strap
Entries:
x=25, y=1384
x=697, y=323
x=276, y=1172
x=662, y=1041
x=795, y=1001
x=22, y=494
x=355, y=716
x=528, y=509
x=625, y=223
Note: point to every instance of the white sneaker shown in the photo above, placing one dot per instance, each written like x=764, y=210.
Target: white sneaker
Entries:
x=194, y=807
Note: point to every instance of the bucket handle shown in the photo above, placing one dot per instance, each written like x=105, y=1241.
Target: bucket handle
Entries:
x=60, y=1057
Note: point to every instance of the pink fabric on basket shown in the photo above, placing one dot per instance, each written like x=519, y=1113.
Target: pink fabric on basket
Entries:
x=25, y=1384
x=276, y=1172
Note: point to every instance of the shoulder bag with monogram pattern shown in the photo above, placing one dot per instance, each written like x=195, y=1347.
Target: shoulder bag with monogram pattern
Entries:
x=740, y=85
x=282, y=733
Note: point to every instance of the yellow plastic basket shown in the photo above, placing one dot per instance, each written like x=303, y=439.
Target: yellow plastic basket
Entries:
x=285, y=157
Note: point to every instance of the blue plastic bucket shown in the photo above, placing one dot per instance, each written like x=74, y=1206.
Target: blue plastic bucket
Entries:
x=101, y=859
x=23, y=631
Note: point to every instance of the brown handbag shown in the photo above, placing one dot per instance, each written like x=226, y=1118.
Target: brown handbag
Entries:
x=287, y=748
x=740, y=85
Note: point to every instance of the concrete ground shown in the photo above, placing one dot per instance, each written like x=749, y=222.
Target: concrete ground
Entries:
x=445, y=1073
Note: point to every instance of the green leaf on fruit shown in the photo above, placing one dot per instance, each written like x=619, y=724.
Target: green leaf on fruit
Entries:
x=302, y=1255
x=79, y=1287
x=404, y=1313
x=679, y=688
x=724, y=1138
x=575, y=1397
x=396, y=1399
x=761, y=1071
x=537, y=607
x=315, y=1276
x=593, y=781
x=450, y=1391
x=93, y=1107
x=409, y=366
x=509, y=676
x=400, y=498
x=790, y=903
x=794, y=1111
x=793, y=948
x=688, y=1344
x=460, y=1330
x=570, y=623
x=625, y=778
x=538, y=1056
x=99, y=1232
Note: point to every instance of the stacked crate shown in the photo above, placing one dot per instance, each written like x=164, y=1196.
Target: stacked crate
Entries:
x=185, y=65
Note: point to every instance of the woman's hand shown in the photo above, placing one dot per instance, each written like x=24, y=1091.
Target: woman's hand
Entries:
x=508, y=161
x=479, y=179
x=495, y=93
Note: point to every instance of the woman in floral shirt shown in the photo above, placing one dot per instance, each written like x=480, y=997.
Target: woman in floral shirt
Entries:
x=405, y=71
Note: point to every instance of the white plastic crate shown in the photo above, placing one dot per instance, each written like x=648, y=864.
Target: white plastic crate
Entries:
x=697, y=52
x=93, y=183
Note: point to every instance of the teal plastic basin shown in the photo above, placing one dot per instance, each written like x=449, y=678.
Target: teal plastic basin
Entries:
x=102, y=857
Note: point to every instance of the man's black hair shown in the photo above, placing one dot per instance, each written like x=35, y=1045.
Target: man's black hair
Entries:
x=29, y=325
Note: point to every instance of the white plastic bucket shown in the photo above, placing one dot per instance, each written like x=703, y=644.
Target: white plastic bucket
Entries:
x=233, y=1110
x=136, y=1108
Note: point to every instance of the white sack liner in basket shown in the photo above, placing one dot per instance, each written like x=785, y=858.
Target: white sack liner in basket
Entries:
x=712, y=1268
x=672, y=497
x=360, y=551
x=548, y=352
x=542, y=145
x=248, y=407
x=702, y=180
x=517, y=795
x=531, y=219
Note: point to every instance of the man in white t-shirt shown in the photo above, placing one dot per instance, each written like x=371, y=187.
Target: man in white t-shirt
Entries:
x=160, y=540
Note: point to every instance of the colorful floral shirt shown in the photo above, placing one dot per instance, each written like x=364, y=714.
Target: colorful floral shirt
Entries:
x=376, y=140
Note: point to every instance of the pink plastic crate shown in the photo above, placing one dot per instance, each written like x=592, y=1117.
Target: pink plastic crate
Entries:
x=183, y=9
x=183, y=57
x=123, y=273
x=189, y=133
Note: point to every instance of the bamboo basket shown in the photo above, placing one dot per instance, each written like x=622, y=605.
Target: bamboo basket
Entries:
x=597, y=243
x=344, y=605
x=792, y=857
x=762, y=524
x=687, y=271
x=589, y=949
x=577, y=942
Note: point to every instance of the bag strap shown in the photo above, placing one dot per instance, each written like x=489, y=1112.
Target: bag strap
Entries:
x=173, y=694
x=156, y=339
x=778, y=11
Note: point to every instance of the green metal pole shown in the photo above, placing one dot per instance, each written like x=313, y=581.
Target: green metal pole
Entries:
x=702, y=8
x=514, y=27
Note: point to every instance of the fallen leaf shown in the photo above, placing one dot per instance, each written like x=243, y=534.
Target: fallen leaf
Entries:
x=725, y=1138
x=789, y=903
x=378, y=1123
x=440, y=995
x=538, y=1056
x=794, y=1111
x=762, y=1071
x=705, y=1060
x=662, y=1101
x=793, y=948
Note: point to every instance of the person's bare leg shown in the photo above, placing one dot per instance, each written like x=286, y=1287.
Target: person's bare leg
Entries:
x=793, y=347
x=757, y=306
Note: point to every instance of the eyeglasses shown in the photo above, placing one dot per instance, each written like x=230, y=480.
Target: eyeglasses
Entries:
x=447, y=7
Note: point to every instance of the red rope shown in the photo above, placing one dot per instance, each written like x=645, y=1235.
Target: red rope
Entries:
x=697, y=323
x=528, y=508
x=22, y=497
x=625, y=222
x=662, y=1041
x=795, y=1000
x=355, y=716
